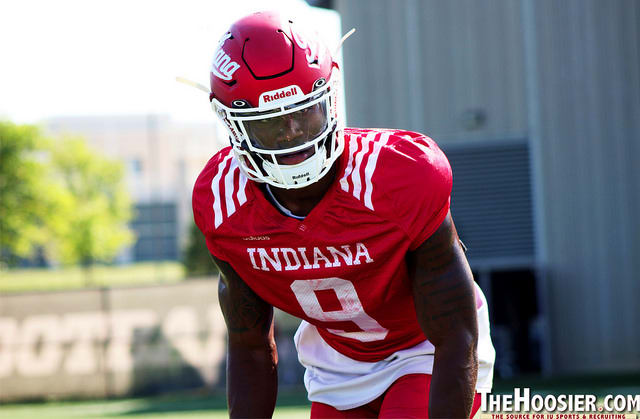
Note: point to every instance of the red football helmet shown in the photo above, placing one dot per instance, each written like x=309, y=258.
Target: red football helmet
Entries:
x=276, y=92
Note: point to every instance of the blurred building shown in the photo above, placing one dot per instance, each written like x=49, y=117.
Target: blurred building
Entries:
x=537, y=105
x=163, y=159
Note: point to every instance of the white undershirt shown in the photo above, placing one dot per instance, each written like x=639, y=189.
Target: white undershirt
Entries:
x=281, y=207
x=344, y=383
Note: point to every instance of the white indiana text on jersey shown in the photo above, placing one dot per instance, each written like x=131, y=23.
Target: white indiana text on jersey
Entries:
x=303, y=258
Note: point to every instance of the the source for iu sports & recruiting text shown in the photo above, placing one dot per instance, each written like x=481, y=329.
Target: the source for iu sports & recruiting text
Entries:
x=523, y=404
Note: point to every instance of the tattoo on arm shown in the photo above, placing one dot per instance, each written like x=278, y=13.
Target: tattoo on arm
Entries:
x=442, y=283
x=444, y=296
x=252, y=358
x=244, y=311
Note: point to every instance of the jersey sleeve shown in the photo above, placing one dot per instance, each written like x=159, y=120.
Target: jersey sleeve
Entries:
x=422, y=187
x=202, y=203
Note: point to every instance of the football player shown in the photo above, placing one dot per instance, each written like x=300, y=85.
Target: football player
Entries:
x=348, y=229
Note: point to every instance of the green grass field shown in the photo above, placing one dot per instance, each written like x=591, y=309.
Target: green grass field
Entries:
x=128, y=409
x=290, y=406
x=24, y=280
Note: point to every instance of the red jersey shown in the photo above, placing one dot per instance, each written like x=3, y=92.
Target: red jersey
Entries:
x=343, y=267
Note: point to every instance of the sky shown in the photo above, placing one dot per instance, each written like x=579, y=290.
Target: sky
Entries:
x=116, y=57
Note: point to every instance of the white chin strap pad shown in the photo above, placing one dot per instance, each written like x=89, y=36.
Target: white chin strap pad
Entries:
x=303, y=172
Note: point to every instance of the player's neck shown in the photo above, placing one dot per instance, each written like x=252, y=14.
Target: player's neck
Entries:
x=302, y=201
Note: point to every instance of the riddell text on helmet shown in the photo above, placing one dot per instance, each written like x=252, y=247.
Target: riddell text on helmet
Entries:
x=274, y=96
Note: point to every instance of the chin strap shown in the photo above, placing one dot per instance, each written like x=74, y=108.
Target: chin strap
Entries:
x=344, y=38
x=194, y=84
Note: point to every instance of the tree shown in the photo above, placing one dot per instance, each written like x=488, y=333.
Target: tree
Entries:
x=60, y=196
x=196, y=257
x=24, y=203
x=94, y=206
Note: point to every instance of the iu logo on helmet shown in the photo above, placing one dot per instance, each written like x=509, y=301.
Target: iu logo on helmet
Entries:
x=312, y=50
x=222, y=66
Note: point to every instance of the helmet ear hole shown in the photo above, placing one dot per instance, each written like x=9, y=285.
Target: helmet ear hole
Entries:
x=319, y=83
x=240, y=103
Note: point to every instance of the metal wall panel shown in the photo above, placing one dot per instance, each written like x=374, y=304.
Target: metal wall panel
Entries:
x=566, y=75
x=437, y=67
x=491, y=202
x=584, y=101
x=156, y=228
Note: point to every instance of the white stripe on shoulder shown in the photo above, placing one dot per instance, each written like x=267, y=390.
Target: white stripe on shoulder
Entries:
x=360, y=178
x=353, y=146
x=371, y=167
x=215, y=188
x=356, y=176
x=229, y=187
x=242, y=194
x=424, y=148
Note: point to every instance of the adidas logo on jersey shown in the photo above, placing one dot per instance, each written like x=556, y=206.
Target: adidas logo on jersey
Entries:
x=257, y=238
x=291, y=259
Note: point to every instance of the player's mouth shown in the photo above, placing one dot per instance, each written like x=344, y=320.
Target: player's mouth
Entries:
x=297, y=157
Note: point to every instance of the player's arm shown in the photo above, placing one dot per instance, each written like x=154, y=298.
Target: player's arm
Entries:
x=252, y=380
x=444, y=296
